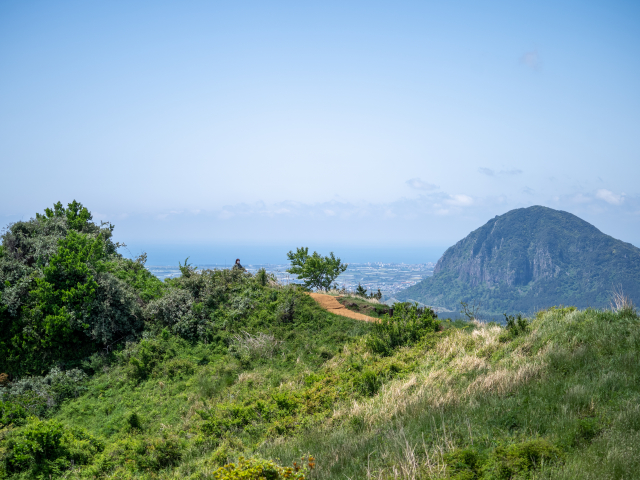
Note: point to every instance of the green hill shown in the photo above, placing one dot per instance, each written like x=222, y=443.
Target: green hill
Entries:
x=529, y=259
x=226, y=375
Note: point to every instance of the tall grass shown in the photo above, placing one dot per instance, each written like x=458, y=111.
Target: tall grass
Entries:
x=571, y=384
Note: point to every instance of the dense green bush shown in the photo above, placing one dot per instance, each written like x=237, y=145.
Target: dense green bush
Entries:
x=136, y=453
x=515, y=326
x=59, y=301
x=12, y=414
x=407, y=326
x=43, y=448
x=134, y=273
x=258, y=469
x=516, y=460
x=40, y=394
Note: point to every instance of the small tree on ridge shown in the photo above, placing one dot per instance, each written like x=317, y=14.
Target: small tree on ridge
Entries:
x=315, y=270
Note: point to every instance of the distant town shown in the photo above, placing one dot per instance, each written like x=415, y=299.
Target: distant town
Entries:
x=390, y=278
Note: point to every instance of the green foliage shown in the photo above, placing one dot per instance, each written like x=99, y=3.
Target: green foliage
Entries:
x=135, y=453
x=315, y=270
x=58, y=301
x=133, y=272
x=407, y=326
x=464, y=463
x=361, y=291
x=262, y=277
x=515, y=326
x=77, y=216
x=63, y=296
x=518, y=459
x=43, y=448
x=287, y=307
x=40, y=394
x=258, y=469
x=12, y=414
x=134, y=421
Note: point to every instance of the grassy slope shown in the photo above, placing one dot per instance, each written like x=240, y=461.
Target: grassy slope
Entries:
x=569, y=387
x=471, y=402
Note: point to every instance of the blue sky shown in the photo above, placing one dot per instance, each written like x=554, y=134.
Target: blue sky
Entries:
x=364, y=126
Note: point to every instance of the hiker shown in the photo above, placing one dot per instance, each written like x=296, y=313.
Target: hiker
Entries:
x=237, y=266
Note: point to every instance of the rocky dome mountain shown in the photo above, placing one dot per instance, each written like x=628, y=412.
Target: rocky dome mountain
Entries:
x=528, y=259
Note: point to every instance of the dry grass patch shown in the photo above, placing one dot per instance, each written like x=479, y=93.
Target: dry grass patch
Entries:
x=441, y=379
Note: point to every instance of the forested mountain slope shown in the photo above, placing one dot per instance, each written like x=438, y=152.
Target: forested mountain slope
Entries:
x=528, y=259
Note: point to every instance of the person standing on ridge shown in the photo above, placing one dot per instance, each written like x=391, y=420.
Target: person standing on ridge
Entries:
x=237, y=266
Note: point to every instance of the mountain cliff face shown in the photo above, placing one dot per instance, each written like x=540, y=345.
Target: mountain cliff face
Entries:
x=532, y=258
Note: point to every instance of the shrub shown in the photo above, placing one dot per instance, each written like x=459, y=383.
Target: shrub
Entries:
x=143, y=358
x=247, y=346
x=368, y=383
x=262, y=277
x=178, y=368
x=58, y=300
x=287, y=307
x=258, y=469
x=407, y=326
x=520, y=458
x=515, y=326
x=133, y=272
x=463, y=463
x=12, y=414
x=134, y=422
x=36, y=394
x=44, y=448
x=134, y=453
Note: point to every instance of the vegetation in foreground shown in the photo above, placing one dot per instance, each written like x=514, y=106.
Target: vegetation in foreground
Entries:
x=234, y=376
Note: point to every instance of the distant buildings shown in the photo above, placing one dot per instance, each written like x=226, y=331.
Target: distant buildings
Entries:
x=390, y=278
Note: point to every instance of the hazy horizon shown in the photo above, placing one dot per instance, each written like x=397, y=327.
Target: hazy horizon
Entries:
x=283, y=123
x=162, y=255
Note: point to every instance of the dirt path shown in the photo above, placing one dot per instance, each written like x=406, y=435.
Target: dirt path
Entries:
x=332, y=305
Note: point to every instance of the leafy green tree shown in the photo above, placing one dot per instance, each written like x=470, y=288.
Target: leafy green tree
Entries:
x=361, y=291
x=78, y=217
x=65, y=291
x=315, y=270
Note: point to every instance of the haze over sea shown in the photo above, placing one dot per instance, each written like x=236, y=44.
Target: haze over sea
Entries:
x=277, y=254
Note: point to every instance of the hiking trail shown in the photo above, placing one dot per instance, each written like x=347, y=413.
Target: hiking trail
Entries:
x=331, y=304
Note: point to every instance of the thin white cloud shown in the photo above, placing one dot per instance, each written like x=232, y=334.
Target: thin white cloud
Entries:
x=418, y=184
x=459, y=200
x=610, y=197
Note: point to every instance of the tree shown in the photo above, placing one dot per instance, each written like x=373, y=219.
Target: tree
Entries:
x=317, y=271
x=64, y=291
x=377, y=295
x=361, y=291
